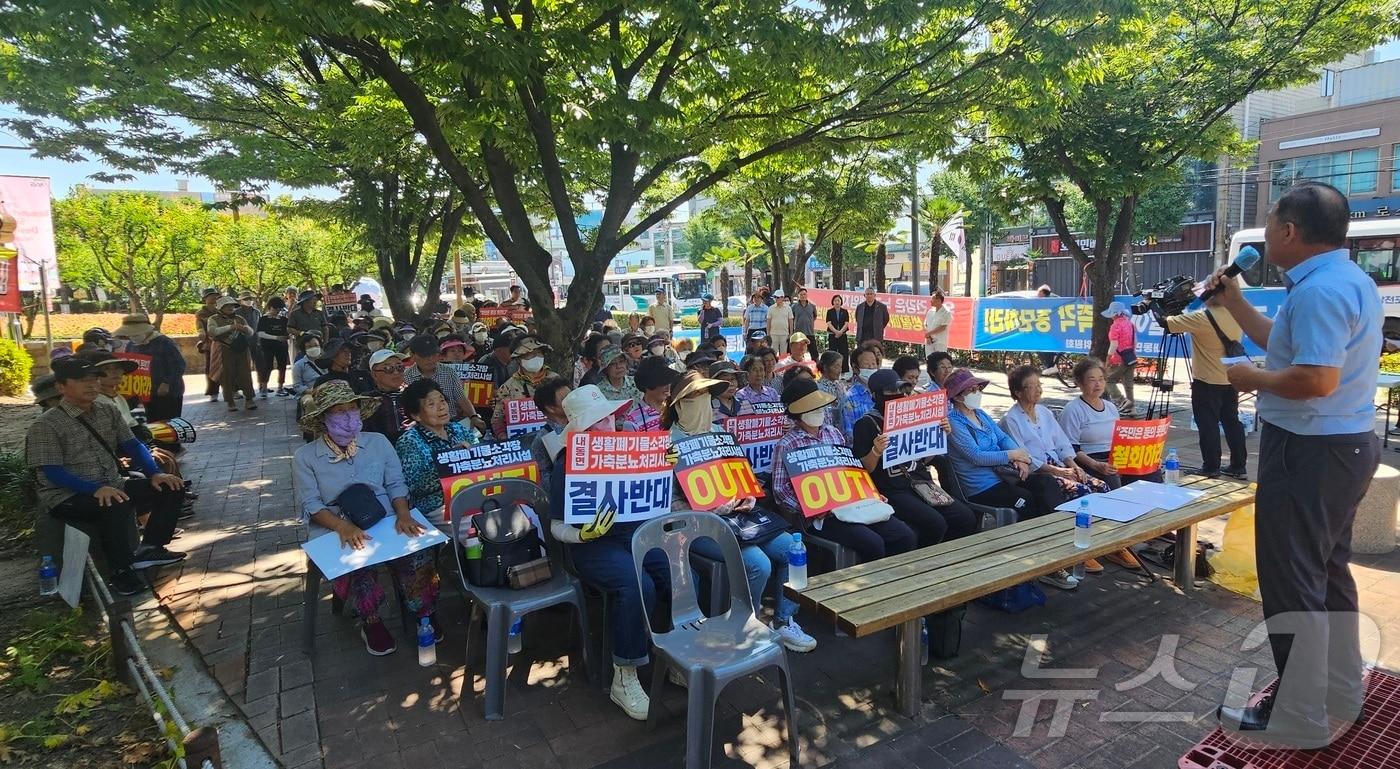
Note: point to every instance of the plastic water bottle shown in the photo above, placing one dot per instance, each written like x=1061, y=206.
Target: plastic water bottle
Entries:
x=1172, y=468
x=797, y=564
x=473, y=545
x=923, y=654
x=1081, y=524
x=513, y=642
x=427, y=644
x=48, y=576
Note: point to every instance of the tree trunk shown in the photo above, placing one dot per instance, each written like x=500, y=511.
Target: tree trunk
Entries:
x=880, y=267
x=748, y=280
x=724, y=289
x=838, y=265
x=933, y=261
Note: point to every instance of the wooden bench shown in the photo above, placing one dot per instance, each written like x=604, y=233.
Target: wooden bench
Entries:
x=900, y=590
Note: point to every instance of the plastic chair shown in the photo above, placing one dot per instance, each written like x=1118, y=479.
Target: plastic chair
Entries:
x=502, y=605
x=311, y=596
x=709, y=652
x=988, y=517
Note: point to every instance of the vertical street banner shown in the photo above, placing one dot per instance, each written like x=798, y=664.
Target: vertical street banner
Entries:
x=1137, y=445
x=478, y=383
x=28, y=200
x=906, y=315
x=137, y=384
x=712, y=470
x=347, y=302
x=522, y=416
x=827, y=477
x=463, y=466
x=914, y=425
x=757, y=434
x=626, y=472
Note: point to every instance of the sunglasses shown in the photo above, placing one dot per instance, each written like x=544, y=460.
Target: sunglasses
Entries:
x=390, y=369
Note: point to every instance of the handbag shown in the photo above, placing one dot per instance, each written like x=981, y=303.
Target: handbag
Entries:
x=756, y=526
x=1129, y=357
x=932, y=494
x=508, y=541
x=866, y=511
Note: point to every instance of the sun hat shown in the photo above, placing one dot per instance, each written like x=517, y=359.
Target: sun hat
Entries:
x=658, y=339
x=452, y=342
x=723, y=367
x=694, y=382
x=632, y=339
x=246, y=295
x=803, y=396
x=528, y=346
x=381, y=322
x=961, y=381
x=586, y=406
x=330, y=349
x=608, y=355
x=333, y=393
x=380, y=356
x=477, y=327
x=779, y=294
x=73, y=367
x=134, y=326
x=305, y=297
x=707, y=298
x=1114, y=309
x=309, y=337
x=757, y=334
x=104, y=360
x=208, y=292
x=45, y=388
x=654, y=372
x=225, y=302
x=60, y=352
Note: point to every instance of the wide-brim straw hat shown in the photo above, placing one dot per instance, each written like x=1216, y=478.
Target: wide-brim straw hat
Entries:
x=695, y=382
x=137, y=325
x=325, y=396
x=803, y=396
x=587, y=405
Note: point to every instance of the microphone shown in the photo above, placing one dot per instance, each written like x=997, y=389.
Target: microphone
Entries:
x=1246, y=259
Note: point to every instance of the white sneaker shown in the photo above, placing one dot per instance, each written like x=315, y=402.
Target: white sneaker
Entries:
x=1061, y=579
x=627, y=693
x=792, y=637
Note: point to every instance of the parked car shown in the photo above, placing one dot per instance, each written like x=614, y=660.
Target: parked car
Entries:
x=736, y=305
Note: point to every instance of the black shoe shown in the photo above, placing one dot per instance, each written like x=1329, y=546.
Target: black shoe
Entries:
x=1204, y=472
x=126, y=582
x=1240, y=474
x=1253, y=723
x=148, y=557
x=186, y=512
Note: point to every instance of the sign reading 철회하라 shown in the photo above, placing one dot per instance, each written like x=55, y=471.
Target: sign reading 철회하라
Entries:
x=827, y=477
x=713, y=470
x=1138, y=444
x=626, y=472
x=137, y=384
x=478, y=382
x=463, y=466
x=914, y=425
x=757, y=434
x=522, y=416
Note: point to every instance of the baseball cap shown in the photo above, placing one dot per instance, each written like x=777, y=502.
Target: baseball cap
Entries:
x=73, y=367
x=382, y=355
x=884, y=380
x=424, y=344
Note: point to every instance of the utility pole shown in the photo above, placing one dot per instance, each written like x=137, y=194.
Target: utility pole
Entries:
x=914, y=227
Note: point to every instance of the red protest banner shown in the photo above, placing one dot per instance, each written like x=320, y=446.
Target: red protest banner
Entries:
x=827, y=477
x=489, y=315
x=914, y=426
x=461, y=467
x=626, y=472
x=522, y=416
x=478, y=382
x=906, y=315
x=757, y=434
x=1137, y=445
x=347, y=302
x=712, y=470
x=137, y=384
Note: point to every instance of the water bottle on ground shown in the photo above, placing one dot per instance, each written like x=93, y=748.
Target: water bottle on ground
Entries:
x=427, y=644
x=1172, y=468
x=513, y=642
x=797, y=564
x=473, y=545
x=48, y=576
x=1082, y=522
x=923, y=653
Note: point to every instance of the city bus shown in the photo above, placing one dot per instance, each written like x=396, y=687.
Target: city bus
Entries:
x=636, y=291
x=1374, y=244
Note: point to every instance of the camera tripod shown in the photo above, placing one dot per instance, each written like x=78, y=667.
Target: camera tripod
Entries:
x=1173, y=348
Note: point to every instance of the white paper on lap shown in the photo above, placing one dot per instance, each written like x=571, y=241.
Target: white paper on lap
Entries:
x=384, y=545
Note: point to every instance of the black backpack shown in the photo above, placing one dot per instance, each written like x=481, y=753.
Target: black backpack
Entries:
x=510, y=549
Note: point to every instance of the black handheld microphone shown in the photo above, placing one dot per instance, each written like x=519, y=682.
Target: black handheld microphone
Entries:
x=1246, y=259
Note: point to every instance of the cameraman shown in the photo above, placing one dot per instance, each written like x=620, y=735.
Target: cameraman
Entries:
x=1214, y=403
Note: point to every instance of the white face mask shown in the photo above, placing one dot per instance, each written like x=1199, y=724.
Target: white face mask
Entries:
x=656, y=349
x=866, y=373
x=532, y=365
x=313, y=352
x=480, y=337
x=973, y=400
x=813, y=418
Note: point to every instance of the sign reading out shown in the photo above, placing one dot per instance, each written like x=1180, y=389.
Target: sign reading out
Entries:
x=461, y=467
x=478, y=382
x=625, y=472
x=827, y=477
x=713, y=470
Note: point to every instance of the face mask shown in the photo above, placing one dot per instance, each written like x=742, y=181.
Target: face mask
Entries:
x=532, y=365
x=695, y=415
x=246, y=302
x=375, y=346
x=313, y=352
x=408, y=336
x=866, y=373
x=343, y=426
x=656, y=349
x=480, y=337
x=973, y=400
x=813, y=418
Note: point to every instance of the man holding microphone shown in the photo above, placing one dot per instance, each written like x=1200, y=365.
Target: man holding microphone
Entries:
x=1318, y=453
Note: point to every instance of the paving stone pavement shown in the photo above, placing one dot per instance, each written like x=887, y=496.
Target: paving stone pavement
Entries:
x=238, y=598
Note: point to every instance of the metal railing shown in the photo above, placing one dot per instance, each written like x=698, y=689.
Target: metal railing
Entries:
x=200, y=746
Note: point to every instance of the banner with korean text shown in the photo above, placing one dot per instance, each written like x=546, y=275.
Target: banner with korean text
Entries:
x=757, y=434
x=907, y=314
x=827, y=477
x=1138, y=444
x=347, y=302
x=522, y=416
x=489, y=315
x=914, y=425
x=626, y=472
x=461, y=467
x=712, y=470
x=478, y=382
x=137, y=384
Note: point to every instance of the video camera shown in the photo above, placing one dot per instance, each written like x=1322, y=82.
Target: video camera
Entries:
x=1167, y=299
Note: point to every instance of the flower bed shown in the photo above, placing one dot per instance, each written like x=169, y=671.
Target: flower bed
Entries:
x=73, y=326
